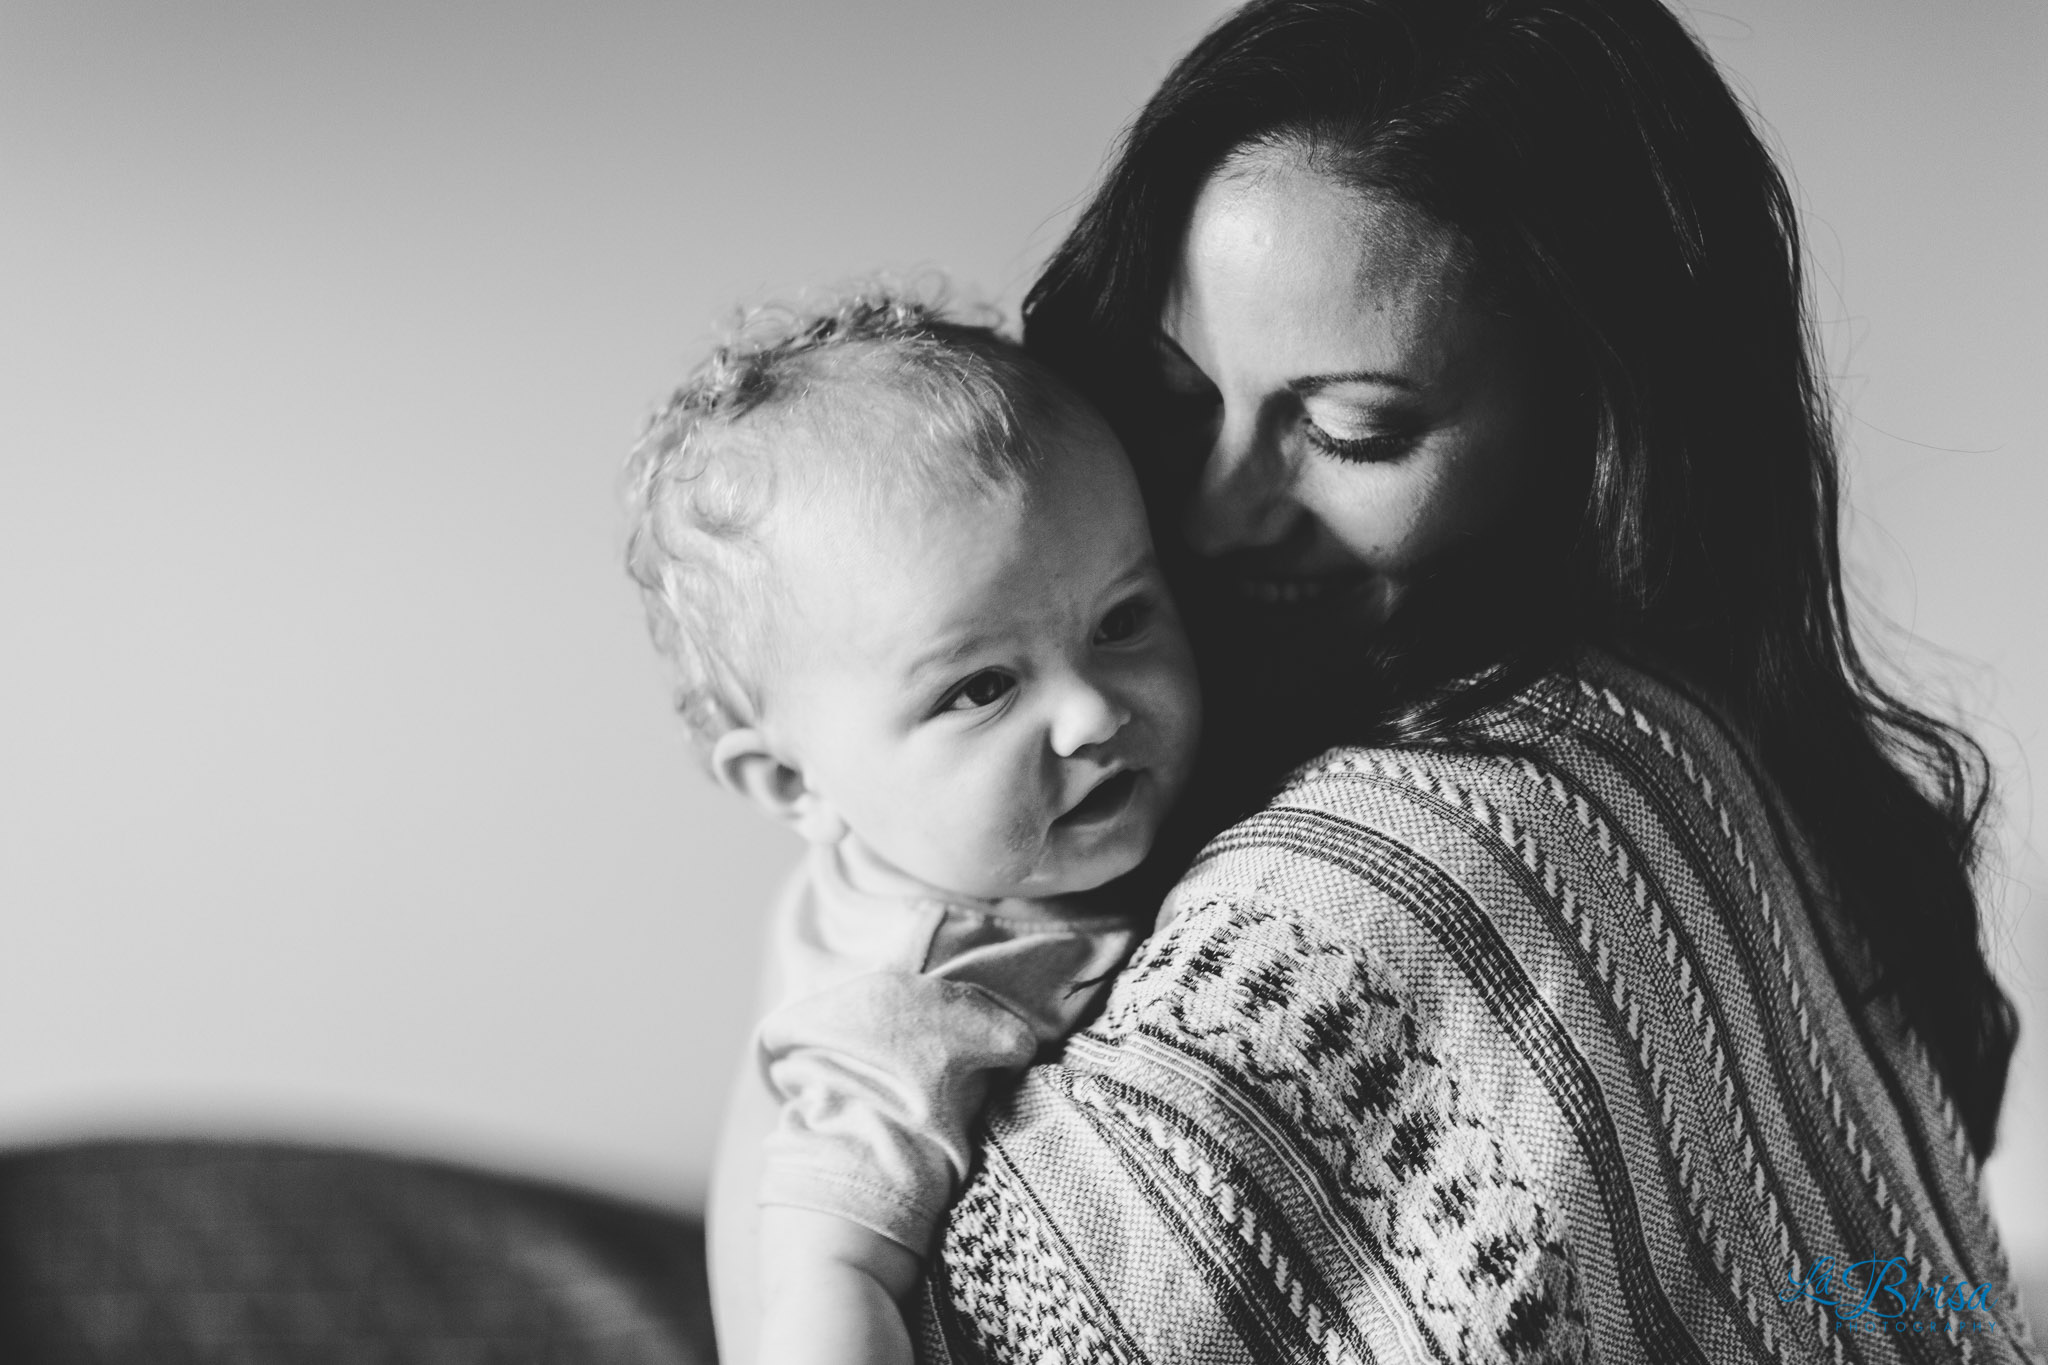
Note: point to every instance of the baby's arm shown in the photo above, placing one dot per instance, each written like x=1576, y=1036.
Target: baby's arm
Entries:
x=733, y=1213
x=881, y=1076
x=831, y=1291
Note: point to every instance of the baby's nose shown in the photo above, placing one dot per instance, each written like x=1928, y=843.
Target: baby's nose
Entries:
x=1087, y=715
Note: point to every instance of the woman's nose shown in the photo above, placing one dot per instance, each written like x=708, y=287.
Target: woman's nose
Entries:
x=1087, y=714
x=1242, y=499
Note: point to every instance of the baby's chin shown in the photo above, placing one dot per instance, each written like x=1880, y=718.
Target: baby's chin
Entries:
x=1093, y=877
x=1043, y=879
x=1077, y=873
x=1079, y=853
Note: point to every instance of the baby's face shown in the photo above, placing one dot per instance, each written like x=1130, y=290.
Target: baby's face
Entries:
x=995, y=697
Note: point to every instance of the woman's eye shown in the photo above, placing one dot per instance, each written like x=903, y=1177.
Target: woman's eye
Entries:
x=1374, y=449
x=1123, y=621
x=1360, y=433
x=985, y=688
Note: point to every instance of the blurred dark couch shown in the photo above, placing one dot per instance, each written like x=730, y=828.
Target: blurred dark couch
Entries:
x=212, y=1253
x=172, y=1252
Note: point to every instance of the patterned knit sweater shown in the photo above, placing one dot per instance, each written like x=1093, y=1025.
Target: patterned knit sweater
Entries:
x=1541, y=1049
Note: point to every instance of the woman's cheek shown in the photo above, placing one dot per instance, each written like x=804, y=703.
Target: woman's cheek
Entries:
x=1427, y=501
x=1371, y=509
x=1479, y=479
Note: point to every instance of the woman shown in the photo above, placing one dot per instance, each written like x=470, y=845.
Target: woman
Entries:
x=1615, y=990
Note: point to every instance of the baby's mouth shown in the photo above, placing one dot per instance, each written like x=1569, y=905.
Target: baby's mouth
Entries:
x=1108, y=799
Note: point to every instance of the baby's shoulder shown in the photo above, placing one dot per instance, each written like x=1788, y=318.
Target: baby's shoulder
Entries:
x=826, y=932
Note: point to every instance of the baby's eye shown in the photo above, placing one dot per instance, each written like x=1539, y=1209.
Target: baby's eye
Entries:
x=1123, y=621
x=985, y=688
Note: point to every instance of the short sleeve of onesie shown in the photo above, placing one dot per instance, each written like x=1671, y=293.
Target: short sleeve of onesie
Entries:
x=897, y=1016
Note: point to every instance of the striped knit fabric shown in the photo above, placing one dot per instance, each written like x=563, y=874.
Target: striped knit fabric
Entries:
x=1536, y=1050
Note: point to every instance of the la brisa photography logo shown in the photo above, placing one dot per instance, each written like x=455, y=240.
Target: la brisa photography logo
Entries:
x=1881, y=1294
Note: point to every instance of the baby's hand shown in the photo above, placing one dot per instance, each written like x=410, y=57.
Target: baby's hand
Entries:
x=831, y=1291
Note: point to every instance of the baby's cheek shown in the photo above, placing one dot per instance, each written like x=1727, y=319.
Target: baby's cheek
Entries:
x=1016, y=826
x=1022, y=835
x=978, y=819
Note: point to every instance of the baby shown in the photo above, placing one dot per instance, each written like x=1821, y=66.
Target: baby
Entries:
x=906, y=578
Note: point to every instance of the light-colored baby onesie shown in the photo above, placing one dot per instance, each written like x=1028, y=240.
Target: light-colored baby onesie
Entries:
x=896, y=1017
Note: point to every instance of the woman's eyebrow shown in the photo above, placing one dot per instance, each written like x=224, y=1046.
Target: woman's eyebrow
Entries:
x=1308, y=384
x=1315, y=383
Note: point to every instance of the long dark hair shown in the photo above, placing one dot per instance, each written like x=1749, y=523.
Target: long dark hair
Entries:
x=1622, y=210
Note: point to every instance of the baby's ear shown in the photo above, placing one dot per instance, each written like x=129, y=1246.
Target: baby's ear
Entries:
x=743, y=762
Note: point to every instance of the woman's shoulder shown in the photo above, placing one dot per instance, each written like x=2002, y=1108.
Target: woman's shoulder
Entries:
x=1597, y=774
x=1599, y=720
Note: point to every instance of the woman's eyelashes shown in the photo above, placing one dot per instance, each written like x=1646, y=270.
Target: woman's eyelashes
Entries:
x=1374, y=449
x=1193, y=408
x=1359, y=436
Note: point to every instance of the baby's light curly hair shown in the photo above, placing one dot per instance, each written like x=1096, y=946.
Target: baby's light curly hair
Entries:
x=861, y=396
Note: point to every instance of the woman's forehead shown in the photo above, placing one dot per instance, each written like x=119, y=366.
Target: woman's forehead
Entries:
x=1280, y=252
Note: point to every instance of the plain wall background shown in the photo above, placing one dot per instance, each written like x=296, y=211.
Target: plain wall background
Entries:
x=338, y=793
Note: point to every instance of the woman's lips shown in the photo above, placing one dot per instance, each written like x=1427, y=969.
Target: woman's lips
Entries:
x=1106, y=802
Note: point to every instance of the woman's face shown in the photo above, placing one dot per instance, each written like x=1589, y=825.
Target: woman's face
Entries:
x=1354, y=409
